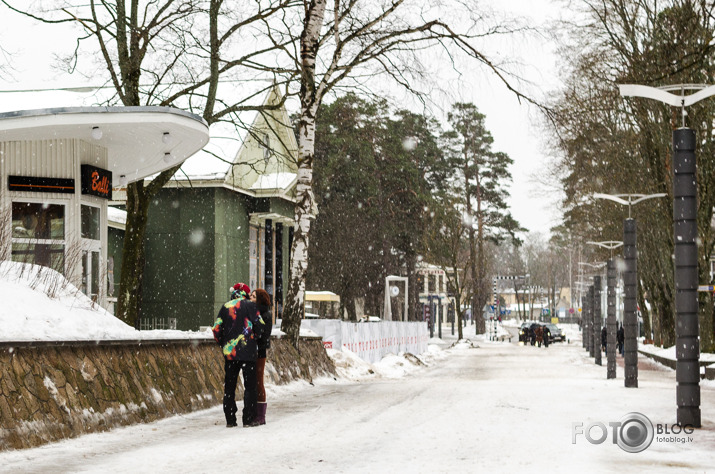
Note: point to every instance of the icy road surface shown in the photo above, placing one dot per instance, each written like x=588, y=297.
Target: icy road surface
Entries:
x=500, y=407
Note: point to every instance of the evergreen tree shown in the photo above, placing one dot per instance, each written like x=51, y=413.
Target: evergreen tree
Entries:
x=373, y=182
x=481, y=178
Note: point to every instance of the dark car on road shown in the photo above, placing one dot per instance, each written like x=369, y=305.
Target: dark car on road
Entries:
x=557, y=335
x=524, y=332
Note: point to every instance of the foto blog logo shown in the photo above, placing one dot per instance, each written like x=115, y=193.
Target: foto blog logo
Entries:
x=633, y=433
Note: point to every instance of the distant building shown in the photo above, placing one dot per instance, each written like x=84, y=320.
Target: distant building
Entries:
x=433, y=297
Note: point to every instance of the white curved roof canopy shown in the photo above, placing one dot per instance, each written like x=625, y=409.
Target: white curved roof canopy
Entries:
x=134, y=136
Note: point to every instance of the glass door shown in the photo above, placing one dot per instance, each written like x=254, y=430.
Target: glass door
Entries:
x=91, y=252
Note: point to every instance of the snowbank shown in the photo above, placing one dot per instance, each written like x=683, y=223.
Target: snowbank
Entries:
x=669, y=352
x=39, y=304
x=350, y=367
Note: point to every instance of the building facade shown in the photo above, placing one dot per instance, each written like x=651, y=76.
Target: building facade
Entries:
x=225, y=217
x=58, y=166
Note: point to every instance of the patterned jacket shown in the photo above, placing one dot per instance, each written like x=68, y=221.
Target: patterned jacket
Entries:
x=237, y=329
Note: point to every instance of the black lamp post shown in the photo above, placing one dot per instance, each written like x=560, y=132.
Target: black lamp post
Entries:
x=630, y=286
x=687, y=370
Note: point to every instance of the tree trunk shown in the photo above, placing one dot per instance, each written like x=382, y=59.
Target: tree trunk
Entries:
x=132, y=274
x=412, y=294
x=305, y=208
x=705, y=303
x=647, y=315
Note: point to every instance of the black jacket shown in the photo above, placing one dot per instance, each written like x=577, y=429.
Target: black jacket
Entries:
x=264, y=342
x=238, y=328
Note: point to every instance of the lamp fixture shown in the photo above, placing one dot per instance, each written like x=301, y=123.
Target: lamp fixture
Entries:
x=168, y=157
x=166, y=138
x=122, y=180
x=96, y=133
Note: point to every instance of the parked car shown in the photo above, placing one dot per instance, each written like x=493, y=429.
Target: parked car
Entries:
x=557, y=335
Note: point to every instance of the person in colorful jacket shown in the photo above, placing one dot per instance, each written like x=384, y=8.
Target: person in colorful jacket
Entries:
x=237, y=330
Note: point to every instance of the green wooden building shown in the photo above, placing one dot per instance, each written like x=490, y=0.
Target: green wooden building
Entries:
x=227, y=216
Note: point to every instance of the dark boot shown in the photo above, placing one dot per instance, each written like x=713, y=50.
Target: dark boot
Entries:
x=261, y=413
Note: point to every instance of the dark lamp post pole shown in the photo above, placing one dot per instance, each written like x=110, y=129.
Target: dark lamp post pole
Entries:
x=630, y=286
x=685, y=232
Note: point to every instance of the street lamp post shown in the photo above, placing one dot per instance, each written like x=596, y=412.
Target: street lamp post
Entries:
x=630, y=284
x=589, y=315
x=597, y=318
x=611, y=323
x=594, y=315
x=687, y=370
x=591, y=318
x=610, y=309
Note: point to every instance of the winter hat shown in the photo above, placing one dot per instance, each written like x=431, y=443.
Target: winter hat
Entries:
x=240, y=290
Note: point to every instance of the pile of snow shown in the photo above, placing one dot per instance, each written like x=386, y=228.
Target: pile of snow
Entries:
x=39, y=304
x=464, y=344
x=350, y=367
x=669, y=352
x=572, y=331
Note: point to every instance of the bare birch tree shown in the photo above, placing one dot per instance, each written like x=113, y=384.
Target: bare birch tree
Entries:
x=345, y=43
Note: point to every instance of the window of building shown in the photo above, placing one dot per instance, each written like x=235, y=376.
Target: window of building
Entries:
x=38, y=234
x=266, y=146
x=90, y=222
x=432, y=283
x=256, y=257
x=253, y=256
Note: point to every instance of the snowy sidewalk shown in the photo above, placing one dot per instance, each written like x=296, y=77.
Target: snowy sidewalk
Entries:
x=500, y=407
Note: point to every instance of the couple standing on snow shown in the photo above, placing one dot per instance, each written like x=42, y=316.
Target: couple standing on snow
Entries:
x=243, y=330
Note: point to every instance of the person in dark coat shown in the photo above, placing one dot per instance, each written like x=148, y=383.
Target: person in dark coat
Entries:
x=532, y=333
x=620, y=337
x=547, y=336
x=237, y=329
x=539, y=330
x=604, y=339
x=263, y=301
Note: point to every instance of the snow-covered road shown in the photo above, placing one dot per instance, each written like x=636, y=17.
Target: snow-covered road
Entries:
x=495, y=408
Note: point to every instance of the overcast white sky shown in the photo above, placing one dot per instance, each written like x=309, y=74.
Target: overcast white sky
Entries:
x=513, y=125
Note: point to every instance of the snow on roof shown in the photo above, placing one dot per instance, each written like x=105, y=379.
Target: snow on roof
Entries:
x=321, y=296
x=274, y=181
x=212, y=162
x=39, y=304
x=30, y=98
x=226, y=139
x=116, y=215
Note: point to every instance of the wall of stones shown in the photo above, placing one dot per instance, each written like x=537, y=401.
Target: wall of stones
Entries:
x=52, y=391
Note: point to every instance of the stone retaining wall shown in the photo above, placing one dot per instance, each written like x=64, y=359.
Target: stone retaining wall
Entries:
x=51, y=391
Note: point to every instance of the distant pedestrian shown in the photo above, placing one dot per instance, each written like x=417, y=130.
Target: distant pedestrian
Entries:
x=539, y=330
x=263, y=301
x=620, y=336
x=532, y=333
x=604, y=339
x=546, y=335
x=237, y=330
